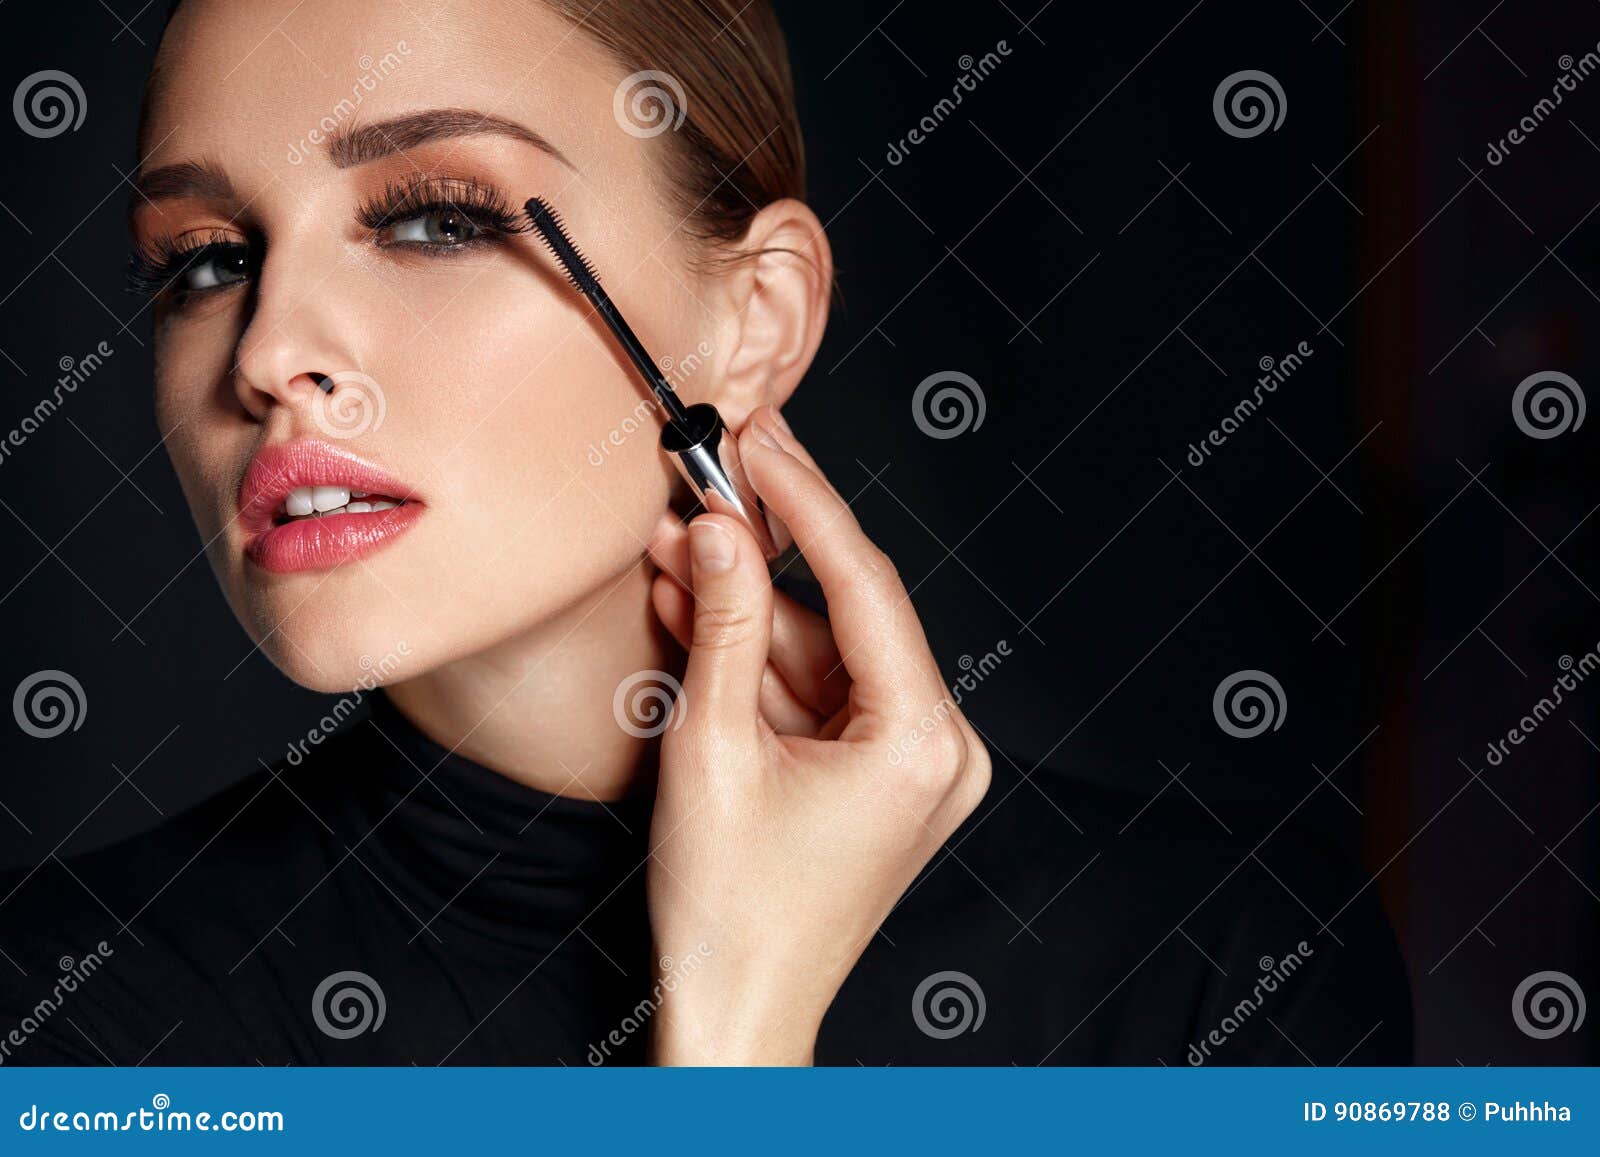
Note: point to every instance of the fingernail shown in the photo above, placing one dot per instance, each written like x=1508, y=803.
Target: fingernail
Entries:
x=712, y=546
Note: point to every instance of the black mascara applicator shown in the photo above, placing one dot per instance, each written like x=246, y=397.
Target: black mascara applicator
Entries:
x=701, y=446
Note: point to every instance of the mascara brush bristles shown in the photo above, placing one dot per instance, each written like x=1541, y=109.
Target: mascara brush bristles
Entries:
x=582, y=275
x=548, y=222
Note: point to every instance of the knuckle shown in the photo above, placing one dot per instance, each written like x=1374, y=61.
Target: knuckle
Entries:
x=876, y=569
x=717, y=628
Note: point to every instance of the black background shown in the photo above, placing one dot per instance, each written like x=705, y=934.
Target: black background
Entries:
x=1083, y=240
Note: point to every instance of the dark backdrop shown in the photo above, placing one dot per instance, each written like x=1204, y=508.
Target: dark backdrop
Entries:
x=1110, y=268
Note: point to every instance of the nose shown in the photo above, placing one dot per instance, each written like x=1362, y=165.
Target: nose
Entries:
x=293, y=346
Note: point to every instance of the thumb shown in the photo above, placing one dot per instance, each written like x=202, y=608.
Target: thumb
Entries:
x=732, y=623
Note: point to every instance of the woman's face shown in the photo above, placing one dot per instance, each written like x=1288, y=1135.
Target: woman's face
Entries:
x=466, y=376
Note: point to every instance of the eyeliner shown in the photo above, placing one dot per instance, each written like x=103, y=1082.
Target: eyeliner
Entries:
x=700, y=444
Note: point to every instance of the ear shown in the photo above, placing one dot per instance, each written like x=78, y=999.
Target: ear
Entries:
x=773, y=297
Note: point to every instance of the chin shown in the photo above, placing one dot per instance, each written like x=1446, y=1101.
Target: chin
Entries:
x=336, y=653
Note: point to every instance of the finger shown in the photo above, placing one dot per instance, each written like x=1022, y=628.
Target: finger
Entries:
x=785, y=711
x=807, y=656
x=803, y=648
x=732, y=624
x=879, y=637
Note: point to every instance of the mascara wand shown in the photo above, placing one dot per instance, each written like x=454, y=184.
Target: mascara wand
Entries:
x=701, y=446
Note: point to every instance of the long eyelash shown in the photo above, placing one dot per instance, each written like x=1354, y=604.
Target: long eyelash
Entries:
x=484, y=205
x=154, y=265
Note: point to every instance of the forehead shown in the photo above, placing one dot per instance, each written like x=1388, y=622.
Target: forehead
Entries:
x=252, y=81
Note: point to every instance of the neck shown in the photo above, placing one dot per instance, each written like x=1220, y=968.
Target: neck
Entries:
x=538, y=707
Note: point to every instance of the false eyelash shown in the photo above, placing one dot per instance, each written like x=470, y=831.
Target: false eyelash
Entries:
x=154, y=265
x=484, y=205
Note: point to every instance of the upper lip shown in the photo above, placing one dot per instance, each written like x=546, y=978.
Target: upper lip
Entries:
x=278, y=469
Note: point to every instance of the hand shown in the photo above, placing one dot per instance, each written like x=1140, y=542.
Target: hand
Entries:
x=809, y=770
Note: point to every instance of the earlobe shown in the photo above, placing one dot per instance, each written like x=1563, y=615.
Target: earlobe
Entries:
x=779, y=295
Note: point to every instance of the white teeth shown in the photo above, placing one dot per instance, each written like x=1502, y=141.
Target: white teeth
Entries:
x=326, y=498
x=316, y=501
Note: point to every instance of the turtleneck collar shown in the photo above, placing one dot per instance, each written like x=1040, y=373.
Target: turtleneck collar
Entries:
x=464, y=846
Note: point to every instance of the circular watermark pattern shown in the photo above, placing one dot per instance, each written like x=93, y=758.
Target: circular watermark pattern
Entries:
x=1548, y=404
x=349, y=404
x=948, y=404
x=1266, y=363
x=66, y=963
x=161, y=1101
x=649, y=103
x=1548, y=1004
x=643, y=702
x=48, y=703
x=49, y=103
x=1565, y=61
x=1248, y=103
x=948, y=1004
x=1266, y=964
x=1247, y=703
x=348, y=1004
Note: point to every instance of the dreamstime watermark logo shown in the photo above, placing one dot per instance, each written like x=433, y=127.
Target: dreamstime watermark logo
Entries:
x=48, y=703
x=974, y=671
x=972, y=71
x=649, y=103
x=1273, y=374
x=1575, y=672
x=1548, y=404
x=676, y=371
x=643, y=703
x=1548, y=1004
x=375, y=672
x=372, y=71
x=160, y=1117
x=948, y=1004
x=349, y=404
x=1273, y=974
x=672, y=973
x=1572, y=72
x=74, y=372
x=948, y=404
x=49, y=103
x=348, y=1004
x=1248, y=103
x=73, y=973
x=1248, y=703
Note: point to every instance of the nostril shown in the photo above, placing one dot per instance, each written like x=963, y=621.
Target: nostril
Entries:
x=324, y=382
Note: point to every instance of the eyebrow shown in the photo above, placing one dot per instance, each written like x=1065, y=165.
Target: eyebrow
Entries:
x=363, y=144
x=346, y=148
x=203, y=179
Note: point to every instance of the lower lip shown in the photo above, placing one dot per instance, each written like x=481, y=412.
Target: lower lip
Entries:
x=319, y=543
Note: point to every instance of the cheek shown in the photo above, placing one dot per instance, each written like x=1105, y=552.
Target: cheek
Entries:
x=544, y=436
x=192, y=359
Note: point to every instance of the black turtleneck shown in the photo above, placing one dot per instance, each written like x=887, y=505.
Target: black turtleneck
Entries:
x=503, y=925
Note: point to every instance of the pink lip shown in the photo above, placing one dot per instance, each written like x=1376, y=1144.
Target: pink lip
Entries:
x=316, y=543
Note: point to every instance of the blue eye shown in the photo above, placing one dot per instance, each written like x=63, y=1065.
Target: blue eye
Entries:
x=445, y=226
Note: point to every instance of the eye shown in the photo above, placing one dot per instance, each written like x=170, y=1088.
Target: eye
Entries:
x=444, y=226
x=214, y=266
